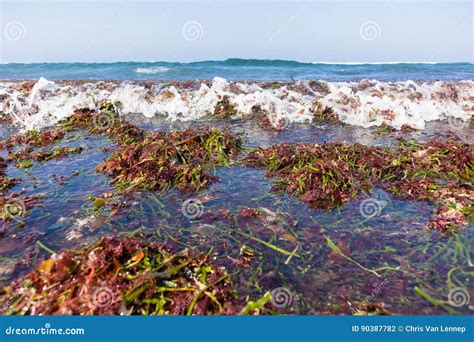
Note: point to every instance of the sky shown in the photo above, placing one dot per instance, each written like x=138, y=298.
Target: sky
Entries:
x=184, y=31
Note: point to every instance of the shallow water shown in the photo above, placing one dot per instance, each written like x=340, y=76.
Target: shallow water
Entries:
x=317, y=281
x=256, y=136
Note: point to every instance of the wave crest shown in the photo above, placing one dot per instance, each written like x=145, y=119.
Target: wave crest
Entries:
x=152, y=70
x=366, y=103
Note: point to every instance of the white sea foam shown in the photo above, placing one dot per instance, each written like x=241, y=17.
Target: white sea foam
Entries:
x=366, y=103
x=152, y=70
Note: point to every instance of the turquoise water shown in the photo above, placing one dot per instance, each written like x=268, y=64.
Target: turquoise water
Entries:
x=239, y=69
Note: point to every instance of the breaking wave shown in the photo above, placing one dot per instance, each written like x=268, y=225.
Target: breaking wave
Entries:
x=151, y=70
x=365, y=103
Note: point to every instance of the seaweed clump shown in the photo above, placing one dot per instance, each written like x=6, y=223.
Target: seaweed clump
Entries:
x=5, y=118
x=33, y=138
x=439, y=172
x=224, y=109
x=326, y=175
x=14, y=207
x=166, y=160
x=323, y=114
x=36, y=139
x=107, y=122
x=323, y=175
x=122, y=276
x=5, y=182
x=28, y=154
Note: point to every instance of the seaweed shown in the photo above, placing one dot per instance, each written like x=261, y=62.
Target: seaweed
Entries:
x=267, y=248
x=322, y=175
x=27, y=155
x=166, y=160
x=224, y=109
x=14, y=206
x=107, y=122
x=5, y=118
x=5, y=183
x=123, y=276
x=327, y=175
x=336, y=249
x=323, y=114
x=33, y=138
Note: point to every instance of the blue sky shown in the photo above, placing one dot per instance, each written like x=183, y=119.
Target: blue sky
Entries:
x=330, y=31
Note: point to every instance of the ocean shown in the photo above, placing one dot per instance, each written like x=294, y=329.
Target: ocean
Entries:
x=334, y=220
x=239, y=69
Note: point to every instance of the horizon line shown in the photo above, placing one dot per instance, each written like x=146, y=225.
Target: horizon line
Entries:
x=245, y=59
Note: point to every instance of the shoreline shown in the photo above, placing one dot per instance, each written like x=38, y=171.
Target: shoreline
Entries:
x=209, y=80
x=367, y=103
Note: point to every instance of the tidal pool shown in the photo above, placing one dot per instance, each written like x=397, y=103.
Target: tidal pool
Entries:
x=338, y=261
